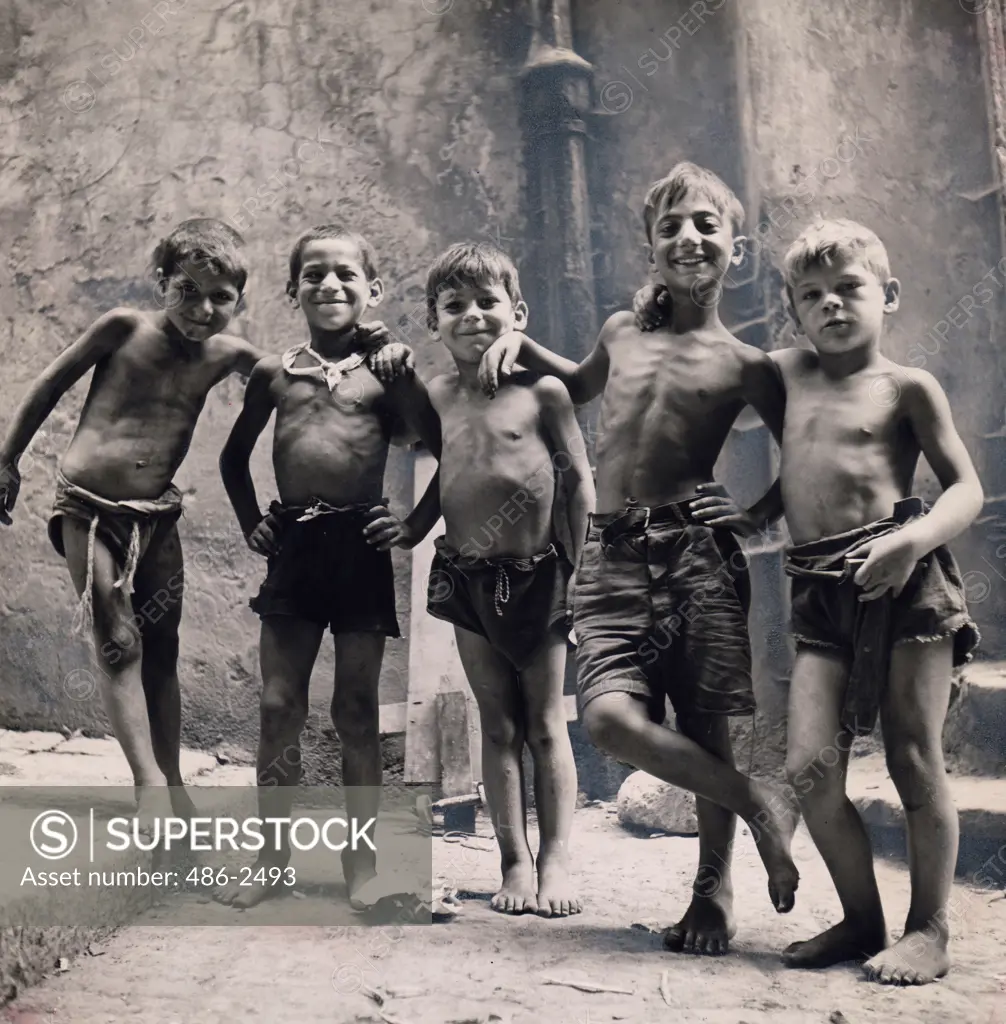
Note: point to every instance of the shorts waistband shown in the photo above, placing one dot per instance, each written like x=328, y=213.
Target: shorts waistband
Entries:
x=818, y=555
x=463, y=562
x=317, y=507
x=638, y=517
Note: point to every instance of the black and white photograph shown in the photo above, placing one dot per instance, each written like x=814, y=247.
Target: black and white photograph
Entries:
x=502, y=511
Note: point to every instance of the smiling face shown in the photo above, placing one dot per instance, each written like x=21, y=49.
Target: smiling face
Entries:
x=332, y=288
x=470, y=317
x=199, y=301
x=692, y=242
x=841, y=306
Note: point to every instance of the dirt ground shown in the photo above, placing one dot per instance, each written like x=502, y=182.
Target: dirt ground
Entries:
x=483, y=967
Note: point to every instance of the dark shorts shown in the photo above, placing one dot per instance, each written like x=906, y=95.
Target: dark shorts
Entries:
x=932, y=605
x=660, y=610
x=327, y=573
x=512, y=602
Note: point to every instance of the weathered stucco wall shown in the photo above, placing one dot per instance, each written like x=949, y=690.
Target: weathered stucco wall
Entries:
x=124, y=118
x=119, y=118
x=877, y=111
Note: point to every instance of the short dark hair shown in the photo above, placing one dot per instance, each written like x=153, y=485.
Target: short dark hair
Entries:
x=368, y=257
x=685, y=178
x=475, y=264
x=203, y=240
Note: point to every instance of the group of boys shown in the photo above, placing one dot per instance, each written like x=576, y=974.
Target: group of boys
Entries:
x=656, y=582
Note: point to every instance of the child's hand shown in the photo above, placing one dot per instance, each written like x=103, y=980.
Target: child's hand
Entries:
x=888, y=564
x=386, y=531
x=373, y=335
x=391, y=361
x=497, y=361
x=10, y=484
x=717, y=508
x=652, y=306
x=264, y=539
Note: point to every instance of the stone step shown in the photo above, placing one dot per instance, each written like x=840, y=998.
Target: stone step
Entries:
x=981, y=806
x=975, y=733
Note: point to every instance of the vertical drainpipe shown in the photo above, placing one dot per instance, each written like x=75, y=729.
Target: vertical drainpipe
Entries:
x=555, y=101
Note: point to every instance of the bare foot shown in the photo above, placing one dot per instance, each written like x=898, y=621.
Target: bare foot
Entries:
x=556, y=896
x=917, y=958
x=255, y=889
x=152, y=802
x=360, y=872
x=516, y=895
x=707, y=927
x=842, y=942
x=181, y=803
x=772, y=829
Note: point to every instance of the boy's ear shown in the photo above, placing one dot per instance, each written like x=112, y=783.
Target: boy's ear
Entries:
x=739, y=250
x=291, y=292
x=520, y=315
x=376, y=292
x=790, y=307
x=892, y=295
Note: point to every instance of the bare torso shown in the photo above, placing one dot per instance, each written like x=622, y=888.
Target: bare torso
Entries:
x=668, y=406
x=141, y=410
x=848, y=451
x=331, y=445
x=497, y=479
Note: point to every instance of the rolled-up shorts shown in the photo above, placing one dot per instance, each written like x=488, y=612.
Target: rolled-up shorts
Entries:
x=514, y=603
x=660, y=611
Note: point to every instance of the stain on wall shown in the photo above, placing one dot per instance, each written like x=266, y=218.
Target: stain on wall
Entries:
x=118, y=119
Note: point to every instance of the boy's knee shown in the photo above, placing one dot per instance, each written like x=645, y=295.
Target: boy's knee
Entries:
x=120, y=647
x=501, y=731
x=544, y=736
x=914, y=773
x=606, y=723
x=280, y=707
x=356, y=719
x=810, y=777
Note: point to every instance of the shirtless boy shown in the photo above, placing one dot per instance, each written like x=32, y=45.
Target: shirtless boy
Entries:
x=116, y=509
x=328, y=538
x=878, y=603
x=661, y=600
x=499, y=574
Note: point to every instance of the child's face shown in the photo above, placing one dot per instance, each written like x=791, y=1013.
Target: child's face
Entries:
x=198, y=301
x=471, y=317
x=692, y=243
x=841, y=307
x=333, y=290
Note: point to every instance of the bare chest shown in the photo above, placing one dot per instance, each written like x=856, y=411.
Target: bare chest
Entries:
x=353, y=405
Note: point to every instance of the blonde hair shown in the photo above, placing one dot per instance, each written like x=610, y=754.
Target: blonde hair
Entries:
x=828, y=241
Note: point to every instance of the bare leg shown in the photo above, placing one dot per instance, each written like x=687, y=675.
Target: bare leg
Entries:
x=287, y=651
x=817, y=763
x=912, y=715
x=554, y=776
x=618, y=723
x=708, y=924
x=356, y=717
x=120, y=652
x=158, y=600
x=501, y=712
